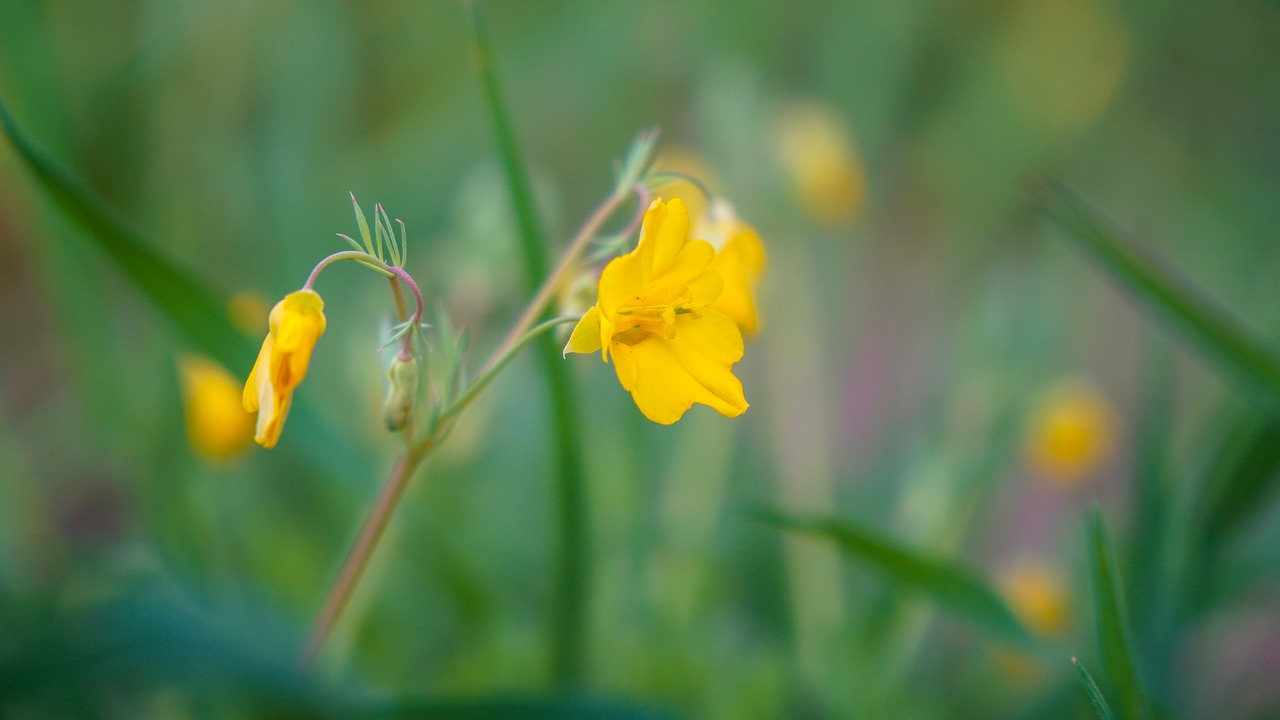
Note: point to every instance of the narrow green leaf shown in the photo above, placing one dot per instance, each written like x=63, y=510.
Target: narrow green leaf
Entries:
x=569, y=632
x=1095, y=694
x=1245, y=470
x=949, y=584
x=364, y=226
x=354, y=245
x=1249, y=360
x=1114, y=639
x=196, y=311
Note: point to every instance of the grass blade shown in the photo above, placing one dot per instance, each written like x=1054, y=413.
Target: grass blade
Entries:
x=1095, y=694
x=570, y=627
x=1114, y=639
x=949, y=584
x=1249, y=360
x=193, y=309
x=196, y=311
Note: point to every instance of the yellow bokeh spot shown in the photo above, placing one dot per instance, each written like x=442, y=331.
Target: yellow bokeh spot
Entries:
x=248, y=311
x=1062, y=61
x=817, y=152
x=218, y=427
x=1037, y=594
x=1073, y=430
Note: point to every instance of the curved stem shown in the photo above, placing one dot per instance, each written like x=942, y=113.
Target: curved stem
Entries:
x=496, y=366
x=539, y=303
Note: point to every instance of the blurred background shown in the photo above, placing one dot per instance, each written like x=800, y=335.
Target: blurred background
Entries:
x=936, y=364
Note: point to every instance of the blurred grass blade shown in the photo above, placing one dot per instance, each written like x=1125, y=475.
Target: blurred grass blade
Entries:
x=1114, y=639
x=570, y=628
x=196, y=311
x=949, y=584
x=1248, y=359
x=1095, y=694
x=1244, y=471
x=192, y=308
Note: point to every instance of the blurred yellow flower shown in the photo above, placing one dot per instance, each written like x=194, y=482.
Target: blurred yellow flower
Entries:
x=1038, y=596
x=653, y=314
x=689, y=163
x=217, y=425
x=1072, y=432
x=247, y=310
x=296, y=323
x=817, y=152
x=739, y=260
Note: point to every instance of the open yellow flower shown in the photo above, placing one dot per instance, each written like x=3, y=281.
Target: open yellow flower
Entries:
x=296, y=323
x=654, y=315
x=739, y=261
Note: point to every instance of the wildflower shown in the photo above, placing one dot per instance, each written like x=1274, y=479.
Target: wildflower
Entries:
x=218, y=427
x=819, y=155
x=653, y=314
x=296, y=323
x=1037, y=595
x=1072, y=432
x=739, y=261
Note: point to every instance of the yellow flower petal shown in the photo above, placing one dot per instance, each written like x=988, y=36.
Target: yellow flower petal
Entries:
x=297, y=322
x=666, y=230
x=740, y=263
x=586, y=334
x=666, y=377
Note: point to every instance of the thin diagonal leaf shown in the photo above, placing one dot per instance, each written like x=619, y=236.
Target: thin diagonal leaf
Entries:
x=1114, y=638
x=949, y=584
x=1095, y=693
x=193, y=308
x=1249, y=360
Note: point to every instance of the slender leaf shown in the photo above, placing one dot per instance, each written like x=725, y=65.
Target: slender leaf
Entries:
x=1114, y=638
x=947, y=583
x=196, y=311
x=569, y=632
x=192, y=308
x=1244, y=472
x=1095, y=693
x=1248, y=359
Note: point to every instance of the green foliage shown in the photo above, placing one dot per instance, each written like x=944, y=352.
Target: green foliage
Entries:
x=1094, y=692
x=949, y=584
x=1112, y=623
x=1246, y=358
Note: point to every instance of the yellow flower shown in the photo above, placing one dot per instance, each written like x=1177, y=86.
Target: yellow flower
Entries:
x=1037, y=594
x=217, y=425
x=296, y=323
x=1072, y=432
x=654, y=316
x=739, y=261
x=818, y=153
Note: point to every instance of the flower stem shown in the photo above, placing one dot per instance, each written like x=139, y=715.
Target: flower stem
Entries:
x=358, y=558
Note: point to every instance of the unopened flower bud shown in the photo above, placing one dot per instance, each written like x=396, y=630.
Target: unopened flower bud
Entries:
x=402, y=391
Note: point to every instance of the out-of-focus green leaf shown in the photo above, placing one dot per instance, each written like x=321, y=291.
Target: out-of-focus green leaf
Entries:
x=1249, y=360
x=1244, y=470
x=518, y=709
x=1114, y=639
x=570, y=627
x=1094, y=692
x=193, y=308
x=947, y=583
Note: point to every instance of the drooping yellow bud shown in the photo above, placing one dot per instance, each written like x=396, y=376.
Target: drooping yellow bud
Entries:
x=296, y=323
